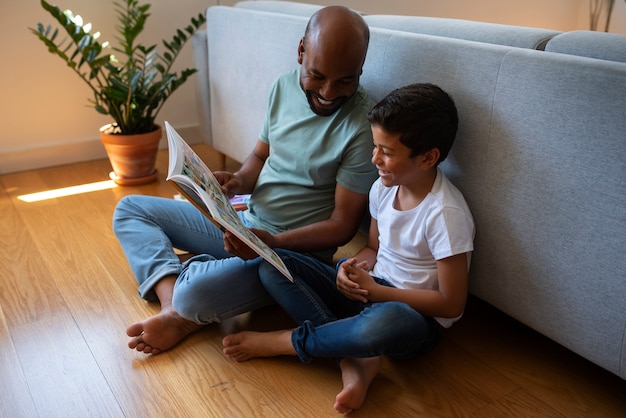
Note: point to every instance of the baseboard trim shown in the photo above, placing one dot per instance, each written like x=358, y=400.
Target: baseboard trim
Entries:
x=61, y=154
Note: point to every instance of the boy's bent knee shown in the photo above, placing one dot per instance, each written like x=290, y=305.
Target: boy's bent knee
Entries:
x=398, y=313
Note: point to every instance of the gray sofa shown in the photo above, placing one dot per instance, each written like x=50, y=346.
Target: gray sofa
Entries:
x=540, y=153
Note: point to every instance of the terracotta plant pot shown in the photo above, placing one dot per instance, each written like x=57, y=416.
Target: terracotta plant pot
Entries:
x=133, y=157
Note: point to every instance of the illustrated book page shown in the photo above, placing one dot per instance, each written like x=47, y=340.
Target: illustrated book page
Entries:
x=188, y=173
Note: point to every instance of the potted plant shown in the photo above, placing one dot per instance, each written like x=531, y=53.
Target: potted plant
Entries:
x=131, y=87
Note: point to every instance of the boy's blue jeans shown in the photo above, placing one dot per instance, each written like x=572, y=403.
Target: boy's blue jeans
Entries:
x=333, y=326
x=211, y=286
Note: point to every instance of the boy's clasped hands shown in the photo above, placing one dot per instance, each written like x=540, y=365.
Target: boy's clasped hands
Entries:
x=354, y=280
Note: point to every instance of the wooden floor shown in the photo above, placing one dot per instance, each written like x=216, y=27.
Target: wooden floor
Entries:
x=67, y=295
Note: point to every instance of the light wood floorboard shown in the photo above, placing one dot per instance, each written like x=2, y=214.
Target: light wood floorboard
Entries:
x=67, y=296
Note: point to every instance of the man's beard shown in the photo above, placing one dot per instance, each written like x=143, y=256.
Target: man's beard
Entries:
x=316, y=107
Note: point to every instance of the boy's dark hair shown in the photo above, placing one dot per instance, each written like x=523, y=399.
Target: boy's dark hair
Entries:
x=423, y=114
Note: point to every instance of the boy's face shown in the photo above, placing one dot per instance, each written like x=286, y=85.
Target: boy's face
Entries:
x=391, y=158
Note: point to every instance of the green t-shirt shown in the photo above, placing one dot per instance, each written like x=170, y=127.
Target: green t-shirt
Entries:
x=309, y=155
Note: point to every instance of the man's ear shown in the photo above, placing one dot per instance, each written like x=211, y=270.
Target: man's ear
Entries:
x=300, y=51
x=430, y=158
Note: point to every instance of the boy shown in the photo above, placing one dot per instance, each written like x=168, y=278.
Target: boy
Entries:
x=412, y=273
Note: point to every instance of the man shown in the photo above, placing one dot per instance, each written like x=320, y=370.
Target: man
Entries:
x=309, y=175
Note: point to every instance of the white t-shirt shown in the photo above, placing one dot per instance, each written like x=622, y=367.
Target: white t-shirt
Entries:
x=411, y=241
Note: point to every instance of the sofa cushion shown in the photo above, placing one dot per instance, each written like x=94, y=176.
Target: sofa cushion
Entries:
x=519, y=36
x=243, y=62
x=585, y=43
x=286, y=7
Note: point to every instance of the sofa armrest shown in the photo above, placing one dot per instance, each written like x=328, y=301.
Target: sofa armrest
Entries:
x=201, y=60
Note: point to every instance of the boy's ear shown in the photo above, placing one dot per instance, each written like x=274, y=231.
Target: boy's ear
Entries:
x=430, y=158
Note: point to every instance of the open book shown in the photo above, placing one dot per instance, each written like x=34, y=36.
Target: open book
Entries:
x=197, y=183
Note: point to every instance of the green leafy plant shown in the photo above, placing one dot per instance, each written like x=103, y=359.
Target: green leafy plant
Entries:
x=130, y=87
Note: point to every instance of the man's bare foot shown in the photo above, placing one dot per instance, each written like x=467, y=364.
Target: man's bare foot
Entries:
x=247, y=345
x=160, y=332
x=357, y=374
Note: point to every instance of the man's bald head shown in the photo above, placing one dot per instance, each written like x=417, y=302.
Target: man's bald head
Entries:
x=341, y=25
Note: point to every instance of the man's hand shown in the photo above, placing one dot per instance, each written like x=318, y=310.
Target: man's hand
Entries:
x=235, y=246
x=244, y=180
x=230, y=183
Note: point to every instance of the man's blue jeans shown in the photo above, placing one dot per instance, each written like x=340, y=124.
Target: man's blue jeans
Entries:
x=211, y=286
x=333, y=326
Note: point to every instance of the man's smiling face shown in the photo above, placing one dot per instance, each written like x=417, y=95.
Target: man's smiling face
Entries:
x=328, y=78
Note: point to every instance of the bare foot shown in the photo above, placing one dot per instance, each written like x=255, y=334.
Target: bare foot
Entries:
x=247, y=345
x=357, y=374
x=160, y=332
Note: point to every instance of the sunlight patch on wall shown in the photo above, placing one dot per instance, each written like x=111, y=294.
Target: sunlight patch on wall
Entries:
x=67, y=191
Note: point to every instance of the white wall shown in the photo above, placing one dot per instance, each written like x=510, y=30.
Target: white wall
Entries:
x=618, y=20
x=44, y=112
x=46, y=119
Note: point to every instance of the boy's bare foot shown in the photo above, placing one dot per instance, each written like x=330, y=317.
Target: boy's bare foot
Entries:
x=357, y=374
x=160, y=332
x=247, y=345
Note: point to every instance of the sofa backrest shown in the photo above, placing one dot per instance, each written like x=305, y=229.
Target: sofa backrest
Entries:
x=244, y=60
x=519, y=36
x=550, y=245
x=467, y=70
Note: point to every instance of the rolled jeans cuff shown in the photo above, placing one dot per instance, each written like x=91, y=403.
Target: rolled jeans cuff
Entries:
x=146, y=288
x=298, y=340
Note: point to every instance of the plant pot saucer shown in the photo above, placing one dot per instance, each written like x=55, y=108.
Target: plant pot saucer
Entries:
x=135, y=181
